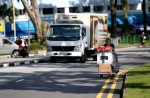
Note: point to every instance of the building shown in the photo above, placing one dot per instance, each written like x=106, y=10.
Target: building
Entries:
x=48, y=8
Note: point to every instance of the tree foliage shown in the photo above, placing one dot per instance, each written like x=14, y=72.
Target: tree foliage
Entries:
x=7, y=13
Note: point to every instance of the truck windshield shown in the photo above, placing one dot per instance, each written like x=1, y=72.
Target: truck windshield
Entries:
x=64, y=33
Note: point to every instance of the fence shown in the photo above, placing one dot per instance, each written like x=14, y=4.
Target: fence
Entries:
x=132, y=39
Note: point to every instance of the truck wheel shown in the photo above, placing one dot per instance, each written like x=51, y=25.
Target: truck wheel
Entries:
x=94, y=58
x=83, y=59
x=71, y=60
x=101, y=76
x=53, y=60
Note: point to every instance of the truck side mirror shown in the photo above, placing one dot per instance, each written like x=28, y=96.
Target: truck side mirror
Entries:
x=83, y=32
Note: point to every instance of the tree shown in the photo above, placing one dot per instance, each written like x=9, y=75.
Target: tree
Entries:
x=144, y=16
x=6, y=12
x=126, y=9
x=33, y=12
x=113, y=7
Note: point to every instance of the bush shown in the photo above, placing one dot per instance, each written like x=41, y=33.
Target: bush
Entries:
x=37, y=46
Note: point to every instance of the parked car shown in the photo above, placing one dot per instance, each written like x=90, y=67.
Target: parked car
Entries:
x=8, y=47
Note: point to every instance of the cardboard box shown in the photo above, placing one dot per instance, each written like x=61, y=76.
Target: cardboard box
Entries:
x=105, y=68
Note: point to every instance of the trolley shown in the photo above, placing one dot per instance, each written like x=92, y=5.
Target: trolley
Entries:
x=105, y=60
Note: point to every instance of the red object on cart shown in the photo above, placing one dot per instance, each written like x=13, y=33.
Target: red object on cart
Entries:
x=100, y=49
x=103, y=48
x=108, y=48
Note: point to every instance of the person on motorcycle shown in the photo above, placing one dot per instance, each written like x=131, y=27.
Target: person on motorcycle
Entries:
x=18, y=41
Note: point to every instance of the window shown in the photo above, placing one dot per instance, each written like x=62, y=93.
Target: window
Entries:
x=119, y=7
x=21, y=12
x=108, y=7
x=6, y=42
x=86, y=9
x=48, y=11
x=83, y=32
x=98, y=8
x=60, y=10
x=73, y=9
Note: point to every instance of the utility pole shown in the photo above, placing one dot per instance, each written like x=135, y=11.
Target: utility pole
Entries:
x=105, y=6
x=81, y=6
x=28, y=27
x=14, y=23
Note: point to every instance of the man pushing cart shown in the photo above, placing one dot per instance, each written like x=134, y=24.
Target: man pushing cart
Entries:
x=107, y=59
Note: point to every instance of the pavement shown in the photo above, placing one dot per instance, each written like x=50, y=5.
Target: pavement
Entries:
x=7, y=61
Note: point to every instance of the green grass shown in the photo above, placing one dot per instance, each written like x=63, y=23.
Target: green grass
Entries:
x=148, y=43
x=138, y=82
x=123, y=45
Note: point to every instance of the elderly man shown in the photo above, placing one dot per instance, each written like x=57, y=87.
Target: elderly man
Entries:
x=115, y=65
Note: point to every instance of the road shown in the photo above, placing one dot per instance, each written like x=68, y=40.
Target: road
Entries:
x=68, y=80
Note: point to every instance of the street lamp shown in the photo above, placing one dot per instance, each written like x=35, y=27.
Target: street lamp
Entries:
x=105, y=7
x=14, y=24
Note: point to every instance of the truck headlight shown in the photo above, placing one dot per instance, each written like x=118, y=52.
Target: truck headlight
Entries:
x=77, y=48
x=49, y=48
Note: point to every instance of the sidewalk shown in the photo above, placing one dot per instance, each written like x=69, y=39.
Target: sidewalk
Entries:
x=7, y=61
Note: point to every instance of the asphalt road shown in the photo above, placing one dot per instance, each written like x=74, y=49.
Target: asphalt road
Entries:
x=68, y=80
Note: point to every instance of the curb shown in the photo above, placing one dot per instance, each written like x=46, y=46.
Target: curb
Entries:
x=122, y=93
x=126, y=48
x=26, y=62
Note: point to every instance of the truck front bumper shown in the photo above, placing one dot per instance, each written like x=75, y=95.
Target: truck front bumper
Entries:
x=64, y=54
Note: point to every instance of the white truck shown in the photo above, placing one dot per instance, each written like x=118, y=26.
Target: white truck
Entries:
x=76, y=35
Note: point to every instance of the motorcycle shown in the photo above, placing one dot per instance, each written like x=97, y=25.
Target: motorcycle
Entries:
x=23, y=51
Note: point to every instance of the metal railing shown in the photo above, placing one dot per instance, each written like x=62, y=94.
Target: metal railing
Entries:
x=132, y=39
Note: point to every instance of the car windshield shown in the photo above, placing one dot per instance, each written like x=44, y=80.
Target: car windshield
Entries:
x=11, y=40
x=64, y=33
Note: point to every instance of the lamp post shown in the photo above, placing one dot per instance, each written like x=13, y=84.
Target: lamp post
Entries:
x=105, y=7
x=28, y=30
x=14, y=24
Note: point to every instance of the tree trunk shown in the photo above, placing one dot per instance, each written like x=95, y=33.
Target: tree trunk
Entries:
x=126, y=23
x=113, y=5
x=144, y=16
x=34, y=16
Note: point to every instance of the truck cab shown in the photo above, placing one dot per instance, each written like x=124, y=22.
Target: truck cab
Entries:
x=67, y=41
x=76, y=35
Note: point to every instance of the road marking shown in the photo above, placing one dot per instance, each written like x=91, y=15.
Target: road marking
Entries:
x=20, y=80
x=6, y=65
x=39, y=73
x=110, y=94
x=99, y=95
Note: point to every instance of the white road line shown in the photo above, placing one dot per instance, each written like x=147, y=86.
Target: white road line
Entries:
x=20, y=80
x=39, y=73
x=61, y=69
x=122, y=58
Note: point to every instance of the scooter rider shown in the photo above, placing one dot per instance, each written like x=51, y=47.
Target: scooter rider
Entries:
x=18, y=41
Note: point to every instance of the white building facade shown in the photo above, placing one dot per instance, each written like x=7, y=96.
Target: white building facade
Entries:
x=48, y=8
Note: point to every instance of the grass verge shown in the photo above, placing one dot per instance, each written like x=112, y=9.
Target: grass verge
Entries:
x=123, y=45
x=138, y=82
